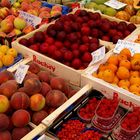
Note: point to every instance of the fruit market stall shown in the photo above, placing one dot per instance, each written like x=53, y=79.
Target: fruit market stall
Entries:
x=127, y=10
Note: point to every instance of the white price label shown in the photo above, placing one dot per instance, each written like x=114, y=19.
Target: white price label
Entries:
x=133, y=47
x=21, y=72
x=115, y=4
x=30, y=19
x=97, y=55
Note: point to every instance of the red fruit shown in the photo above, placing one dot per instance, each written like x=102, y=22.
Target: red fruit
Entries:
x=91, y=23
x=85, y=30
x=105, y=27
x=76, y=63
x=93, y=47
x=94, y=40
x=34, y=47
x=31, y=40
x=51, y=49
x=85, y=39
x=67, y=63
x=4, y=122
x=79, y=20
x=72, y=37
x=24, y=42
x=105, y=38
x=61, y=35
x=68, y=56
x=120, y=34
x=115, y=38
x=131, y=27
x=112, y=32
x=44, y=48
x=5, y=135
x=58, y=55
x=39, y=36
x=67, y=44
x=83, y=48
x=114, y=24
x=87, y=57
x=50, y=40
x=74, y=46
x=76, y=53
x=45, y=88
x=58, y=44
x=58, y=25
x=126, y=33
x=95, y=33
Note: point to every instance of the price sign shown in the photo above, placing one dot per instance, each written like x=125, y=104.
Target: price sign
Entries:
x=21, y=72
x=30, y=19
x=115, y=4
x=121, y=44
x=97, y=55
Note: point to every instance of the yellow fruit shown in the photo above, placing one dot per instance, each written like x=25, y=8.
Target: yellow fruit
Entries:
x=134, y=88
x=123, y=83
x=124, y=87
x=4, y=49
x=135, y=64
x=115, y=80
x=1, y=55
x=7, y=60
x=12, y=52
x=135, y=80
x=137, y=93
x=136, y=56
x=1, y=64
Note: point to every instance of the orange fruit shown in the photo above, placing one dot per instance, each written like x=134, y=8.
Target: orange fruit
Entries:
x=124, y=83
x=123, y=73
x=112, y=67
x=115, y=80
x=124, y=87
x=12, y=52
x=134, y=80
x=113, y=60
x=108, y=75
x=135, y=64
x=122, y=57
x=100, y=74
x=134, y=88
x=125, y=63
x=126, y=52
x=94, y=74
x=137, y=93
x=7, y=60
x=134, y=73
x=103, y=67
x=136, y=56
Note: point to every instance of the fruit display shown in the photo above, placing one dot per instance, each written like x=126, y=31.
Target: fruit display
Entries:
x=129, y=13
x=105, y=121
x=8, y=57
x=73, y=37
x=122, y=70
x=32, y=101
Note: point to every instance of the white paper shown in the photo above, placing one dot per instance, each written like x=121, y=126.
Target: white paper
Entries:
x=115, y=4
x=121, y=44
x=21, y=72
x=30, y=19
x=97, y=55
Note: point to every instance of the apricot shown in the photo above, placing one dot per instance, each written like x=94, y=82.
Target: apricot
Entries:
x=123, y=73
x=134, y=88
x=37, y=102
x=5, y=135
x=30, y=75
x=113, y=59
x=115, y=80
x=39, y=116
x=108, y=76
x=44, y=76
x=94, y=74
x=4, y=122
x=125, y=63
x=134, y=73
x=135, y=64
x=4, y=104
x=45, y=88
x=122, y=57
x=124, y=83
x=112, y=67
x=55, y=98
x=124, y=87
x=8, y=88
x=103, y=67
x=20, y=118
x=32, y=86
x=136, y=56
x=134, y=80
x=20, y=100
x=19, y=133
x=126, y=52
x=5, y=76
x=100, y=74
x=34, y=67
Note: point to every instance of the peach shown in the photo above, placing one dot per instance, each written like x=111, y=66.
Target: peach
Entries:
x=14, y=11
x=57, y=8
x=22, y=89
x=34, y=68
x=36, y=4
x=55, y=98
x=44, y=15
x=4, y=104
x=4, y=122
x=51, y=109
x=5, y=76
x=32, y=86
x=24, y=6
x=33, y=12
x=44, y=9
x=5, y=135
x=11, y=126
x=20, y=118
x=5, y=3
x=20, y=100
x=11, y=18
x=44, y=76
x=8, y=88
x=45, y=88
x=39, y=116
x=4, y=12
x=30, y=75
x=37, y=102
x=19, y=133
x=28, y=29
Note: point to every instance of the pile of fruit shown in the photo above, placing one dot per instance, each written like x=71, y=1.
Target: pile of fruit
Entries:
x=123, y=70
x=72, y=38
x=7, y=56
x=11, y=24
x=128, y=13
x=38, y=96
x=72, y=130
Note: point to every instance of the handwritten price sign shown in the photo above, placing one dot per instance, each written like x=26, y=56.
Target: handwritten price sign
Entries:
x=21, y=72
x=30, y=19
x=115, y=4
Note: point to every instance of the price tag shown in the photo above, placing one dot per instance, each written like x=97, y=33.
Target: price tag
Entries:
x=133, y=47
x=21, y=72
x=97, y=55
x=30, y=19
x=115, y=4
